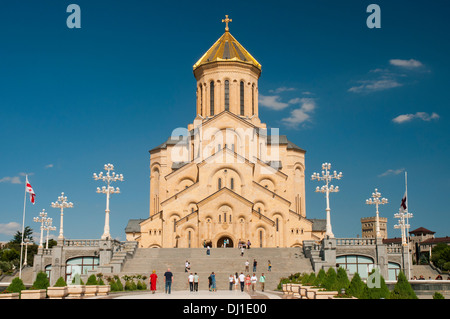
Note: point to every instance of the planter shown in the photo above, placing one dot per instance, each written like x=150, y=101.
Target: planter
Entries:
x=311, y=293
x=334, y=298
x=303, y=290
x=33, y=294
x=103, y=290
x=325, y=294
x=13, y=295
x=75, y=291
x=57, y=292
x=295, y=289
x=90, y=290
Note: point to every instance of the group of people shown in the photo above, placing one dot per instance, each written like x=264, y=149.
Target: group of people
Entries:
x=246, y=281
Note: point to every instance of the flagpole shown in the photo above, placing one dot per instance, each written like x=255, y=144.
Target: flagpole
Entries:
x=23, y=226
x=407, y=223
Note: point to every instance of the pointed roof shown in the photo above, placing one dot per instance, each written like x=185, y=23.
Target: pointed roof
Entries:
x=227, y=48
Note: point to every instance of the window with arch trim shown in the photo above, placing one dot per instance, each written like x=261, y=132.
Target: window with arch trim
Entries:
x=211, y=98
x=219, y=183
x=227, y=95
x=242, y=97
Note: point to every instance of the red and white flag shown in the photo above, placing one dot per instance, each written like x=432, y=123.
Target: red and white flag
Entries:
x=29, y=189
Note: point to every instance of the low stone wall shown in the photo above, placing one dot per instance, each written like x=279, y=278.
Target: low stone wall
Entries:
x=426, y=288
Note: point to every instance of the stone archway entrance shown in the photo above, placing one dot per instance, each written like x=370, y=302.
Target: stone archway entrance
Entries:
x=221, y=242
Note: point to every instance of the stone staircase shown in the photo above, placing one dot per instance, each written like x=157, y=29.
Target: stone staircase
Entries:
x=223, y=261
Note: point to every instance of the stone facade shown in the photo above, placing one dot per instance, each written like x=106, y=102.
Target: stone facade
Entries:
x=226, y=177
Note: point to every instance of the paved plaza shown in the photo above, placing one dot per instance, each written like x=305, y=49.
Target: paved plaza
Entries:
x=201, y=294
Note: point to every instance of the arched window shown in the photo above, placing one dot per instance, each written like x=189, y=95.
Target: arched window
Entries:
x=219, y=183
x=211, y=100
x=80, y=265
x=242, y=97
x=277, y=223
x=227, y=95
x=355, y=263
x=201, y=100
x=232, y=183
x=253, y=99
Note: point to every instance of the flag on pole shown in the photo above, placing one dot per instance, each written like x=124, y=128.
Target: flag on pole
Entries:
x=29, y=189
x=403, y=204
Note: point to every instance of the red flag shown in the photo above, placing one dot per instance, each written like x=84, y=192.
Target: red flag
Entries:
x=29, y=189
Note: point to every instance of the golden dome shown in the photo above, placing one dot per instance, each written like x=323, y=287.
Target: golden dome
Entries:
x=227, y=48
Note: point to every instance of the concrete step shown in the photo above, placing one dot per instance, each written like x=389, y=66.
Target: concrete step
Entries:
x=223, y=261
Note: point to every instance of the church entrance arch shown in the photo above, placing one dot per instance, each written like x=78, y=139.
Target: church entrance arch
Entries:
x=225, y=241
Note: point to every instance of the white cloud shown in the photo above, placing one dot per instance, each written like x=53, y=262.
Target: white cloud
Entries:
x=419, y=115
x=12, y=180
x=392, y=172
x=272, y=102
x=411, y=63
x=282, y=89
x=49, y=166
x=302, y=114
x=10, y=228
x=375, y=85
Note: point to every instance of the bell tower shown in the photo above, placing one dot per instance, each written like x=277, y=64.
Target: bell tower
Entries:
x=227, y=79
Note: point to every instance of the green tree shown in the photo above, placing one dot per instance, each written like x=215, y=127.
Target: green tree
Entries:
x=357, y=287
x=438, y=295
x=92, y=280
x=382, y=292
x=402, y=289
x=16, y=285
x=440, y=255
x=342, y=279
x=320, y=278
x=28, y=234
x=330, y=280
x=60, y=282
x=41, y=281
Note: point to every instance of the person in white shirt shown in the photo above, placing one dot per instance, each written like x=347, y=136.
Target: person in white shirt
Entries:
x=231, y=281
x=246, y=265
x=191, y=282
x=242, y=281
x=236, y=281
x=253, y=279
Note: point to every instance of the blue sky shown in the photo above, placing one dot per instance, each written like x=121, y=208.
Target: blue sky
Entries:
x=373, y=102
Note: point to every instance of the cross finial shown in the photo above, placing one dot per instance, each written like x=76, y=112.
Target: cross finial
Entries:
x=226, y=20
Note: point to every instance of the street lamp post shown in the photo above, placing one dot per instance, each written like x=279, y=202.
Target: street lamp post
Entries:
x=377, y=200
x=26, y=242
x=327, y=189
x=108, y=178
x=403, y=225
x=41, y=219
x=62, y=203
x=48, y=227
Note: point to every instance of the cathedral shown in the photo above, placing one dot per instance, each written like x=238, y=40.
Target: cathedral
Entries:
x=226, y=179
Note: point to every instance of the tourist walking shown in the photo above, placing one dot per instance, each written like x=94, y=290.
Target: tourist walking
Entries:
x=231, y=281
x=254, y=265
x=269, y=265
x=242, y=251
x=253, y=279
x=262, y=281
x=236, y=281
x=246, y=265
x=248, y=244
x=168, y=278
x=196, y=282
x=213, y=282
x=208, y=250
x=152, y=281
x=248, y=282
x=191, y=282
x=242, y=281
x=187, y=266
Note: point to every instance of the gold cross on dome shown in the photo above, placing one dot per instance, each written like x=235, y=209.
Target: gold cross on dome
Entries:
x=226, y=20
